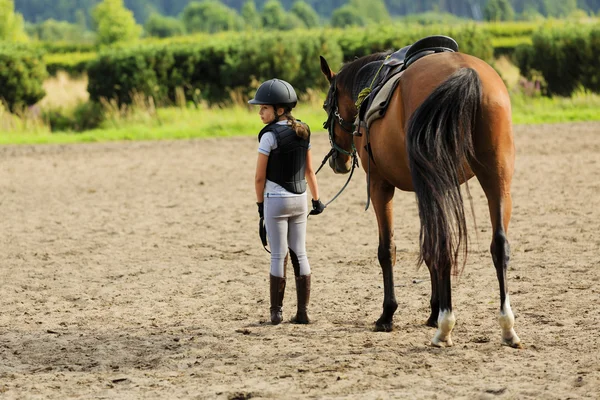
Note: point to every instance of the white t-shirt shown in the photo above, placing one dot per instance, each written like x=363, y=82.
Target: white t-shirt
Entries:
x=268, y=143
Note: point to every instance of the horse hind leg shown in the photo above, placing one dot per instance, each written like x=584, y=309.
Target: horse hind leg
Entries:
x=434, y=301
x=500, y=250
x=497, y=189
x=445, y=318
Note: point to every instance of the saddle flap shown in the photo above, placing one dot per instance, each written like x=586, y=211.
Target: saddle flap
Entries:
x=397, y=57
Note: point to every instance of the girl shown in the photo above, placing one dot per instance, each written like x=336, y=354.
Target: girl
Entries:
x=283, y=170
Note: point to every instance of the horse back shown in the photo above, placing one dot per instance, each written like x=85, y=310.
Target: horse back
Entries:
x=492, y=136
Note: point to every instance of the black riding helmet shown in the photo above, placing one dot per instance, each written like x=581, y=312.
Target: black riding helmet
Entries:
x=275, y=92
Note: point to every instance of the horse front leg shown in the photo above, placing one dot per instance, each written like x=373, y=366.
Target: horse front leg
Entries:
x=382, y=194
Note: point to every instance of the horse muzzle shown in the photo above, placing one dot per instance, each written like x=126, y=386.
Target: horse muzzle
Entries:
x=340, y=164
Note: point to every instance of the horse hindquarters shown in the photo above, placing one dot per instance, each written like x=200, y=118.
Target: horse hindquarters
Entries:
x=439, y=140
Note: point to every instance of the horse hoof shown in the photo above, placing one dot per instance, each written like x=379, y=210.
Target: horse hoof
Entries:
x=435, y=342
x=431, y=322
x=384, y=326
x=513, y=342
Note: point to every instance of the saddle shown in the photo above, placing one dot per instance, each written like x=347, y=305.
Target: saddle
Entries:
x=373, y=101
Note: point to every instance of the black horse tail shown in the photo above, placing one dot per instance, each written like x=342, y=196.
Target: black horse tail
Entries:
x=439, y=142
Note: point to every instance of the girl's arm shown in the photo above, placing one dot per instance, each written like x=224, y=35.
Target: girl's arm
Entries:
x=260, y=177
x=311, y=178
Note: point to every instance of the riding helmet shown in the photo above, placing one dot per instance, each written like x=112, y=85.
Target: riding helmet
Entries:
x=275, y=92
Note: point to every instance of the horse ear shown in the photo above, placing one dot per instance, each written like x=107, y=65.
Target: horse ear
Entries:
x=325, y=69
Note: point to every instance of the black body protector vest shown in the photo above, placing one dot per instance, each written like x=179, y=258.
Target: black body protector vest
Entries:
x=287, y=162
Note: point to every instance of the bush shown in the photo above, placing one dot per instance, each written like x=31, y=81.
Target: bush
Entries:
x=162, y=27
x=74, y=64
x=212, y=70
x=568, y=59
x=22, y=74
x=358, y=42
x=85, y=116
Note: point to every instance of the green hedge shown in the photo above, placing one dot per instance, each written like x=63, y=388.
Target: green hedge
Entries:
x=357, y=42
x=213, y=69
x=22, y=74
x=568, y=58
x=74, y=64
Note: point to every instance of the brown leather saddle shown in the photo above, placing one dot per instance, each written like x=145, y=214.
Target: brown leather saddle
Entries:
x=384, y=72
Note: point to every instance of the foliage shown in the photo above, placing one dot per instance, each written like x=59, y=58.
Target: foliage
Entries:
x=273, y=16
x=56, y=31
x=162, y=27
x=114, y=23
x=70, y=10
x=567, y=58
x=210, y=16
x=305, y=13
x=250, y=15
x=358, y=42
x=74, y=64
x=211, y=69
x=347, y=16
x=22, y=74
x=498, y=10
x=373, y=10
x=202, y=121
x=11, y=23
x=431, y=18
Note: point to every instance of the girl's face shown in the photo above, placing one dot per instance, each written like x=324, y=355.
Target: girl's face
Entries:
x=267, y=113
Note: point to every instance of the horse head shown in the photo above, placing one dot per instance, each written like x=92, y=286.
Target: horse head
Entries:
x=341, y=111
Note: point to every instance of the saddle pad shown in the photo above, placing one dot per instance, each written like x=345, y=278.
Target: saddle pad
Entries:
x=380, y=103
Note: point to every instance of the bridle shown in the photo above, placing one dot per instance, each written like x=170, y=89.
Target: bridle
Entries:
x=333, y=117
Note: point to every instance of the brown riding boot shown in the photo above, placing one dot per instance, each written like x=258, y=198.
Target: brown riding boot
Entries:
x=277, y=286
x=303, y=293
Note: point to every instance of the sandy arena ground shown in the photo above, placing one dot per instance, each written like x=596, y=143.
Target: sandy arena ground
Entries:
x=134, y=270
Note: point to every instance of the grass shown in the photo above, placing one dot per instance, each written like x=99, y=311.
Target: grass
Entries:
x=545, y=110
x=180, y=123
x=169, y=123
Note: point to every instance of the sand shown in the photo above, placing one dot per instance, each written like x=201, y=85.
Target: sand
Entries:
x=134, y=270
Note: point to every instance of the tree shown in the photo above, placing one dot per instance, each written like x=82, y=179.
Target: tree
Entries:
x=305, y=13
x=210, y=16
x=114, y=23
x=273, y=15
x=498, y=10
x=12, y=28
x=373, y=10
x=250, y=16
x=160, y=26
x=347, y=16
x=51, y=30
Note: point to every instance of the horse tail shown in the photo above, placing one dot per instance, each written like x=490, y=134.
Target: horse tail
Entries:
x=439, y=142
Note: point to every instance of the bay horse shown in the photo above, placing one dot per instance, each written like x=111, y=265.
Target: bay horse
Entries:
x=448, y=119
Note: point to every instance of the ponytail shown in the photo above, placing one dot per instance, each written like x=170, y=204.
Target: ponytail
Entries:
x=301, y=129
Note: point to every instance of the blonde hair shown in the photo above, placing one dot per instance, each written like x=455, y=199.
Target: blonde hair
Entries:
x=299, y=127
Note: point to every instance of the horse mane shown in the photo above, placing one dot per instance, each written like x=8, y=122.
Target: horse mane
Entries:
x=349, y=78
